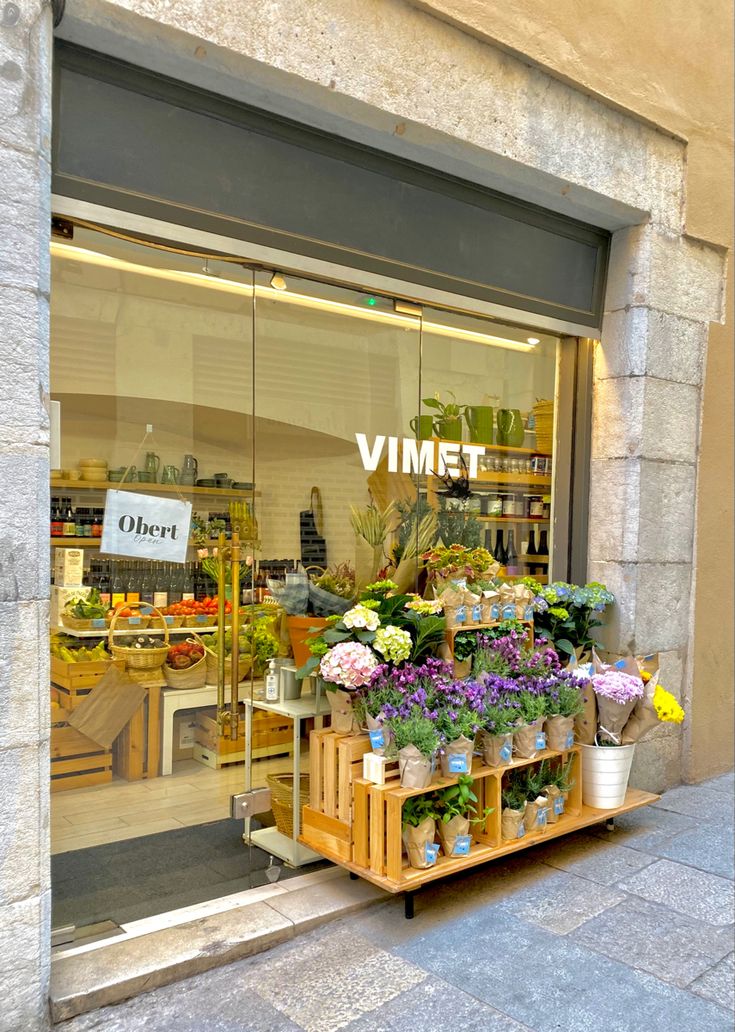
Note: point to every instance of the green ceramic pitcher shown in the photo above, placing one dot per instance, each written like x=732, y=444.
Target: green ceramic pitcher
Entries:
x=423, y=427
x=480, y=422
x=510, y=428
x=449, y=429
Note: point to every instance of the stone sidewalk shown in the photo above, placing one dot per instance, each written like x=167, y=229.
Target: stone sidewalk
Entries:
x=624, y=931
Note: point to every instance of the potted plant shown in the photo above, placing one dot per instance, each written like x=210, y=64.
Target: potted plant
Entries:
x=419, y=828
x=416, y=741
x=557, y=783
x=568, y=614
x=347, y=665
x=498, y=725
x=459, y=708
x=529, y=737
x=514, y=805
x=456, y=810
x=530, y=780
x=448, y=422
x=563, y=704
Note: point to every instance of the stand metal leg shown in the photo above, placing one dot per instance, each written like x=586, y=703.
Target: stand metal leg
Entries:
x=408, y=905
x=353, y=876
x=610, y=824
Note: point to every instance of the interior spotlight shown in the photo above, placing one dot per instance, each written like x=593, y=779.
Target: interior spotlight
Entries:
x=533, y=340
x=278, y=282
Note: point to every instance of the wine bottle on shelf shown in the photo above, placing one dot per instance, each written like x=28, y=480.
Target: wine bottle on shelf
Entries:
x=187, y=590
x=511, y=556
x=132, y=585
x=543, y=545
x=176, y=583
x=147, y=584
x=499, y=551
x=104, y=585
x=117, y=585
x=160, y=587
x=70, y=523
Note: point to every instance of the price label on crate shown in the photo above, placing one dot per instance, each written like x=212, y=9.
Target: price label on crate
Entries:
x=432, y=852
x=559, y=806
x=506, y=752
x=145, y=526
x=540, y=740
x=462, y=845
x=377, y=739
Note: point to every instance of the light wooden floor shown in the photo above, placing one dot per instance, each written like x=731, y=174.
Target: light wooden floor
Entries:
x=192, y=794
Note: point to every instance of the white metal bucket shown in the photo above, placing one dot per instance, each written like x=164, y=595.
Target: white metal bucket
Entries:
x=605, y=773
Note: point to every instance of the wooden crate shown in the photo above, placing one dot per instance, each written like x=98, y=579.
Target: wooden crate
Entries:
x=74, y=676
x=334, y=762
x=77, y=761
x=272, y=736
x=137, y=749
x=371, y=845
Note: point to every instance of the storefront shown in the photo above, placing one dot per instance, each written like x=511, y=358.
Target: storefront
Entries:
x=444, y=217
x=324, y=351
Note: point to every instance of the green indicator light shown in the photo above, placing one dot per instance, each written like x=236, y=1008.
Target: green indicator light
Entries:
x=372, y=301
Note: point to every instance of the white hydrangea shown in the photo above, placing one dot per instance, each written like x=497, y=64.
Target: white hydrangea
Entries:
x=361, y=618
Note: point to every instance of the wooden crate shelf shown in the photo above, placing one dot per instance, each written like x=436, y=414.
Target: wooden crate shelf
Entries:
x=371, y=844
x=77, y=761
x=272, y=736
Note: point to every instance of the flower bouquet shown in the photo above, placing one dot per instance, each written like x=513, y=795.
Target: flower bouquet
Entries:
x=568, y=614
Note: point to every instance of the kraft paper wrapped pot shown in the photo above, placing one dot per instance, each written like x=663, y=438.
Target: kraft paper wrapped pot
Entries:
x=419, y=843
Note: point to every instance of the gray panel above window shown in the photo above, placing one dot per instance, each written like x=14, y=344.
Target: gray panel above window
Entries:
x=132, y=140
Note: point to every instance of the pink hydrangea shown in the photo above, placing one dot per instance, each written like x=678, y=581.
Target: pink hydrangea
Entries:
x=618, y=686
x=348, y=663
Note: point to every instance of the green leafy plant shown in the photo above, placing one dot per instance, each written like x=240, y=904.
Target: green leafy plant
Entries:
x=462, y=722
x=417, y=808
x=531, y=781
x=532, y=706
x=565, y=700
x=465, y=645
x=499, y=720
x=559, y=774
x=450, y=410
x=89, y=608
x=568, y=614
x=338, y=579
x=513, y=796
x=459, y=801
x=416, y=729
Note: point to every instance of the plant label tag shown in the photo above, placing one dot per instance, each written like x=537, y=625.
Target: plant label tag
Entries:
x=460, y=614
x=145, y=526
x=528, y=613
x=377, y=739
x=541, y=817
x=432, y=851
x=559, y=806
x=570, y=739
x=521, y=830
x=506, y=752
x=476, y=614
x=133, y=621
x=462, y=845
x=619, y=665
x=495, y=611
x=458, y=763
x=99, y=622
x=509, y=612
x=540, y=740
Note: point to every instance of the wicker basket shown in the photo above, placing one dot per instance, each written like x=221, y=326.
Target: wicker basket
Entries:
x=243, y=670
x=200, y=620
x=193, y=676
x=75, y=623
x=543, y=414
x=174, y=621
x=123, y=622
x=140, y=659
x=281, y=786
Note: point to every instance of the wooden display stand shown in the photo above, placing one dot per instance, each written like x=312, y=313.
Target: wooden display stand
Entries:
x=368, y=839
x=74, y=681
x=136, y=750
x=272, y=736
x=335, y=764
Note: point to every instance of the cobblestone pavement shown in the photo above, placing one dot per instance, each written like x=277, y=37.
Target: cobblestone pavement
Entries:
x=623, y=931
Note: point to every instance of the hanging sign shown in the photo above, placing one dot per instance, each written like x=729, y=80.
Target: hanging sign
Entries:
x=145, y=526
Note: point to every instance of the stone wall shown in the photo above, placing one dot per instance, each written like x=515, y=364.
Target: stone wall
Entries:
x=25, y=89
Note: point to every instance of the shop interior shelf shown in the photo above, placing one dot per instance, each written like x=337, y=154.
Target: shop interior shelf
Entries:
x=509, y=519
x=502, y=448
x=104, y=633
x=90, y=542
x=488, y=476
x=178, y=489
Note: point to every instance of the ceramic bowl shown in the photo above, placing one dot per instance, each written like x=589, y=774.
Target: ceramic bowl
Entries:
x=92, y=464
x=93, y=473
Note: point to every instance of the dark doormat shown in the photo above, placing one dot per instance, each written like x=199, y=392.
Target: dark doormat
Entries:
x=126, y=881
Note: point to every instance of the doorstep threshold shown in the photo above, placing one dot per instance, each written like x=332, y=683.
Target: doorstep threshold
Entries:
x=159, y=950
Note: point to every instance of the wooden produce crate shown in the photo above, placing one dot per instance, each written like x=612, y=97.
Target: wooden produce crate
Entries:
x=375, y=833
x=272, y=736
x=335, y=762
x=136, y=750
x=80, y=675
x=77, y=761
x=452, y=632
